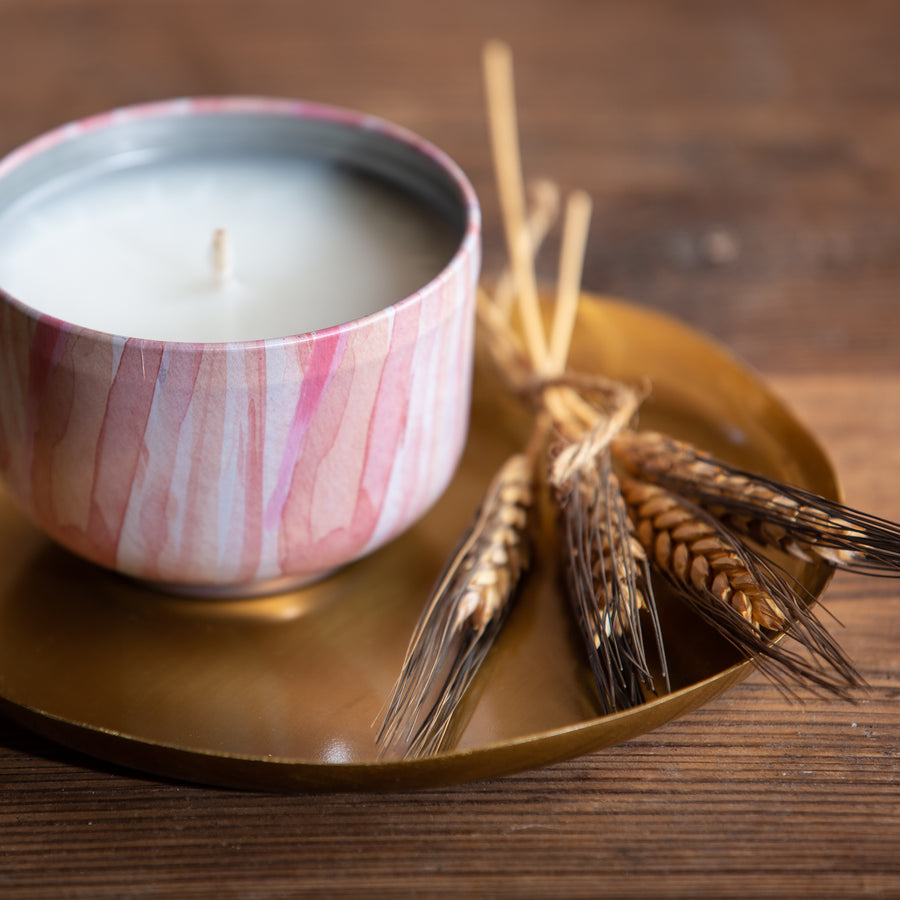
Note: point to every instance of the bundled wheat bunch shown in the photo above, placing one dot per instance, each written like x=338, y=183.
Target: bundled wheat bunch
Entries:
x=630, y=507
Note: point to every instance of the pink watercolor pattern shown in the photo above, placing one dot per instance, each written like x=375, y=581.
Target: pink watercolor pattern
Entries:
x=234, y=464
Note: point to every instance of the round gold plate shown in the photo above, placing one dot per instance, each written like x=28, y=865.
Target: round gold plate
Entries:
x=280, y=693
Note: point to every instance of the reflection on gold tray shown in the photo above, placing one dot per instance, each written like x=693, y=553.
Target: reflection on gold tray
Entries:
x=280, y=693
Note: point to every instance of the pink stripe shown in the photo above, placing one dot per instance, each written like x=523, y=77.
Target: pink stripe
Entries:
x=390, y=417
x=251, y=465
x=323, y=357
x=121, y=443
x=51, y=391
x=154, y=485
x=208, y=430
x=297, y=541
x=48, y=408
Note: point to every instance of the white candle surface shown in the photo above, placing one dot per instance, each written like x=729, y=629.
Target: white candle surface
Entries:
x=306, y=245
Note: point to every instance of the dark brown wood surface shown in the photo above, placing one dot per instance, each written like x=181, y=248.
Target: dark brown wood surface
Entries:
x=744, y=160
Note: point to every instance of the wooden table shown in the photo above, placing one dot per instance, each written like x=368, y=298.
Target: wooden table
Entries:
x=744, y=159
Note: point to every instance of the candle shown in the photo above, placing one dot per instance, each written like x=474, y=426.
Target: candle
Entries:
x=236, y=337
x=300, y=245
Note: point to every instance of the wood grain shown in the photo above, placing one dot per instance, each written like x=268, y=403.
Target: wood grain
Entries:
x=744, y=160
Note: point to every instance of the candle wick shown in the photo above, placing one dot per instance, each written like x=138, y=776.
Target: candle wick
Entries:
x=222, y=256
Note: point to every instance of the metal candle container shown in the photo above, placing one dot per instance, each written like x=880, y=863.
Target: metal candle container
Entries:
x=241, y=465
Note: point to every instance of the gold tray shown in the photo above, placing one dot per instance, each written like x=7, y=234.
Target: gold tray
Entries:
x=280, y=693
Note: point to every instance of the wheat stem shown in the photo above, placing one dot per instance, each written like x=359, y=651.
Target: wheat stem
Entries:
x=543, y=212
x=502, y=119
x=568, y=293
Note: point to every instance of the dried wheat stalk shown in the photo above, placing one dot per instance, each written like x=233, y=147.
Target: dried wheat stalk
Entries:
x=543, y=212
x=503, y=124
x=608, y=582
x=607, y=574
x=735, y=589
x=775, y=515
x=463, y=615
x=507, y=353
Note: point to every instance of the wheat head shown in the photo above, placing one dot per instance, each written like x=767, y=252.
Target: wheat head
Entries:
x=462, y=616
x=774, y=515
x=736, y=590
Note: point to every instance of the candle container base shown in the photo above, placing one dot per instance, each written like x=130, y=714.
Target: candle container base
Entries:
x=267, y=587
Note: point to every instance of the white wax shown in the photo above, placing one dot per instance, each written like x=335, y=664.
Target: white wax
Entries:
x=309, y=245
